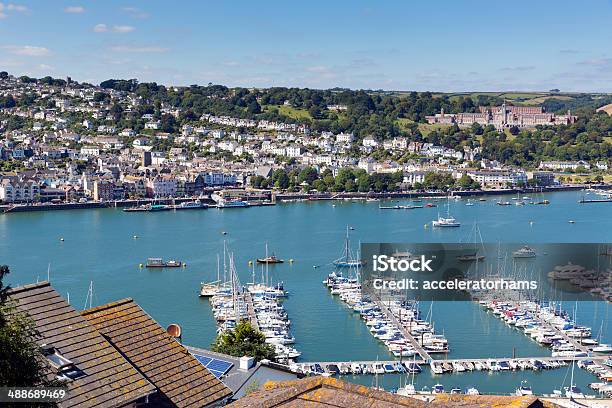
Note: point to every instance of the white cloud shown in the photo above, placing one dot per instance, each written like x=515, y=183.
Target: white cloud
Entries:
x=16, y=7
x=11, y=7
x=103, y=28
x=74, y=9
x=135, y=12
x=123, y=29
x=27, y=50
x=100, y=28
x=139, y=49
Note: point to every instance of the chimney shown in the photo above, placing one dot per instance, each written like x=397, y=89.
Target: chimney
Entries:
x=246, y=362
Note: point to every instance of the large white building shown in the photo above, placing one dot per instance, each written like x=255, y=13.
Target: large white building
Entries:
x=161, y=187
x=13, y=190
x=497, y=179
x=564, y=165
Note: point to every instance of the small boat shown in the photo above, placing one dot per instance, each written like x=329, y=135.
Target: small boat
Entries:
x=473, y=257
x=603, y=348
x=430, y=205
x=445, y=223
x=472, y=391
x=524, y=389
x=272, y=259
x=160, y=263
x=448, y=222
x=504, y=203
x=438, y=389
x=524, y=252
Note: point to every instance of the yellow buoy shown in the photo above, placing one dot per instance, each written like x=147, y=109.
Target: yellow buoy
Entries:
x=291, y=261
x=250, y=262
x=140, y=266
x=184, y=264
x=425, y=226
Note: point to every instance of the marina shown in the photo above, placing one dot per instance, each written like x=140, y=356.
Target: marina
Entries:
x=324, y=327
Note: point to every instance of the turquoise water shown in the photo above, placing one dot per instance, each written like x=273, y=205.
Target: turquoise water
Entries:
x=99, y=246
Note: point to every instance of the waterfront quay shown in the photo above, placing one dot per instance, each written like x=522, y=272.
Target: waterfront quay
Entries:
x=439, y=366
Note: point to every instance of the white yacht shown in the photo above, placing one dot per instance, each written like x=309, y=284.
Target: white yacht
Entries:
x=445, y=222
x=448, y=222
x=524, y=252
x=603, y=348
x=524, y=389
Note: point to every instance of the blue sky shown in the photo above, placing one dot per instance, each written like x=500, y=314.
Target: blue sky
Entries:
x=441, y=45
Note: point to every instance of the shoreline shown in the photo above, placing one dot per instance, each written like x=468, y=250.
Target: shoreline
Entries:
x=288, y=197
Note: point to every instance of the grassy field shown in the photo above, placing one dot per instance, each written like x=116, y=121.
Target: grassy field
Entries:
x=424, y=128
x=295, y=113
x=606, y=108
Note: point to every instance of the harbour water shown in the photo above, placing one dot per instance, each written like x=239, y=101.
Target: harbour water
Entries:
x=106, y=246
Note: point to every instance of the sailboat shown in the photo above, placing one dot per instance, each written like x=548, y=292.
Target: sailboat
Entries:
x=347, y=260
x=208, y=289
x=448, y=222
x=473, y=256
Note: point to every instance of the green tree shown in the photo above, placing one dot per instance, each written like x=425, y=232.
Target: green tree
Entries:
x=244, y=340
x=21, y=361
x=282, y=181
x=466, y=181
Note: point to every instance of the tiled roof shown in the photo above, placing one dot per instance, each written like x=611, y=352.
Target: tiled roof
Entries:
x=320, y=392
x=110, y=381
x=160, y=358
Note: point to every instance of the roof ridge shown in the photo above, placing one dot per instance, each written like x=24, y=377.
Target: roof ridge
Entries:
x=28, y=286
x=107, y=306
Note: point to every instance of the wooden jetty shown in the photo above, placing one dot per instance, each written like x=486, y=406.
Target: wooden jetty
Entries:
x=425, y=356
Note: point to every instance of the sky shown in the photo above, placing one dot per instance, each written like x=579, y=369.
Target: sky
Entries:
x=442, y=45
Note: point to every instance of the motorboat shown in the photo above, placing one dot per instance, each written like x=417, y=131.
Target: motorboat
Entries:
x=524, y=389
x=524, y=252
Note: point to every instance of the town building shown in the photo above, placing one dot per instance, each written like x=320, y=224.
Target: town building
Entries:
x=503, y=116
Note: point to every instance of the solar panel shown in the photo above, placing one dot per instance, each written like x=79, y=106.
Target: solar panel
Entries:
x=202, y=359
x=216, y=366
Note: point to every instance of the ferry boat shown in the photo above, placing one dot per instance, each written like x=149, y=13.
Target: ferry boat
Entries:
x=148, y=208
x=232, y=204
x=190, y=205
x=524, y=252
x=160, y=263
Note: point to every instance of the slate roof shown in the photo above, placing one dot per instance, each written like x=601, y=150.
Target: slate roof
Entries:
x=158, y=356
x=110, y=381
